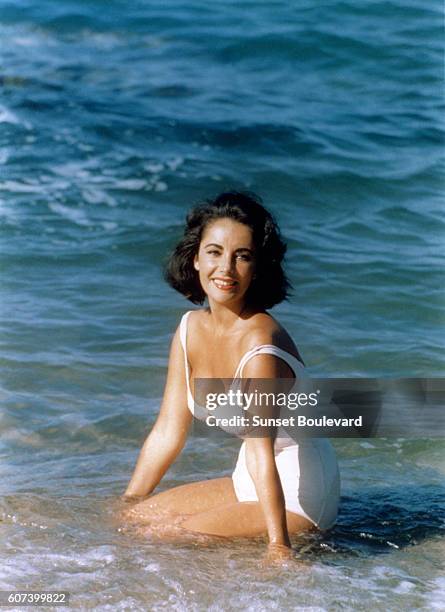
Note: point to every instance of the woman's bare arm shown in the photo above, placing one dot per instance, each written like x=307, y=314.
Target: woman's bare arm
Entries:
x=262, y=468
x=260, y=457
x=169, y=433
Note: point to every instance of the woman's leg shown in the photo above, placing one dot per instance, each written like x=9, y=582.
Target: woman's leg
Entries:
x=208, y=507
x=184, y=500
x=240, y=519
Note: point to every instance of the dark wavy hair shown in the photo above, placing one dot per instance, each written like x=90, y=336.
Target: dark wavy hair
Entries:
x=269, y=285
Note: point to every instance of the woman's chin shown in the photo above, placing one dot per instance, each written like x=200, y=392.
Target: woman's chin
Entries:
x=224, y=297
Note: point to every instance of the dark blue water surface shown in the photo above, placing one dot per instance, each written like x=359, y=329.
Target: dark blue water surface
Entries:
x=115, y=117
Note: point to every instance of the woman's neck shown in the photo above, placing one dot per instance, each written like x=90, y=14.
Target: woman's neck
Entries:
x=224, y=319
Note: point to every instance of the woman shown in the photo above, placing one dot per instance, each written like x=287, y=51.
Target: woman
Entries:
x=231, y=254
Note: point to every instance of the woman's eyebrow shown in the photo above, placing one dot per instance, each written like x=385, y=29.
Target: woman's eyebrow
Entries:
x=218, y=246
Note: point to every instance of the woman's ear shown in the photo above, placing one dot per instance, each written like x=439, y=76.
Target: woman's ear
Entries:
x=196, y=263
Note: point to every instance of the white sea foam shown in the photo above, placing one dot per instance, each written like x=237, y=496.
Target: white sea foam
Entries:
x=102, y=40
x=92, y=195
x=72, y=169
x=100, y=555
x=26, y=41
x=437, y=594
x=84, y=147
x=6, y=116
x=404, y=587
x=93, y=559
x=109, y=225
x=152, y=567
x=154, y=168
x=130, y=184
x=75, y=215
x=16, y=187
x=4, y=155
x=25, y=37
x=173, y=164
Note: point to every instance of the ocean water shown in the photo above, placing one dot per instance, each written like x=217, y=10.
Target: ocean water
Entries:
x=115, y=118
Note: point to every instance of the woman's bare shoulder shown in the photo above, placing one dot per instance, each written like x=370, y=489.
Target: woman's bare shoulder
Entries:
x=197, y=316
x=197, y=324
x=265, y=329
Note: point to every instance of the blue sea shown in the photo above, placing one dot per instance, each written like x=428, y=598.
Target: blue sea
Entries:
x=115, y=118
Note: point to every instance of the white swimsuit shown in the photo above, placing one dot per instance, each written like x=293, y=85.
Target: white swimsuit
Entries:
x=308, y=470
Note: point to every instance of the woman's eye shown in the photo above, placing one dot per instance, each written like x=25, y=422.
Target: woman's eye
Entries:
x=245, y=257
x=212, y=252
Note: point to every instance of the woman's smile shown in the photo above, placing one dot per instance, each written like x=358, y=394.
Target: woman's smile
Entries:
x=224, y=284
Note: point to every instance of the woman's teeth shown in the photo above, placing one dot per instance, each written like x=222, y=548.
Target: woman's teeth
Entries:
x=224, y=284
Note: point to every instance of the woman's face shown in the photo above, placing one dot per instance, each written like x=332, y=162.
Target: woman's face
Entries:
x=226, y=261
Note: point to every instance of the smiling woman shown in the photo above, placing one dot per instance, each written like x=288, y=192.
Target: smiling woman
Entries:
x=231, y=255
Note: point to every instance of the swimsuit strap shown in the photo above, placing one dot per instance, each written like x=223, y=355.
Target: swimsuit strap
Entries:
x=183, y=338
x=269, y=349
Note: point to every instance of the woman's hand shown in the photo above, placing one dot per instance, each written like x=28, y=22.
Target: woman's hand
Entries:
x=127, y=498
x=278, y=555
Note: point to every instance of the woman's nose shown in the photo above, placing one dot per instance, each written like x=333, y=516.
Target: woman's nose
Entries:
x=226, y=264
